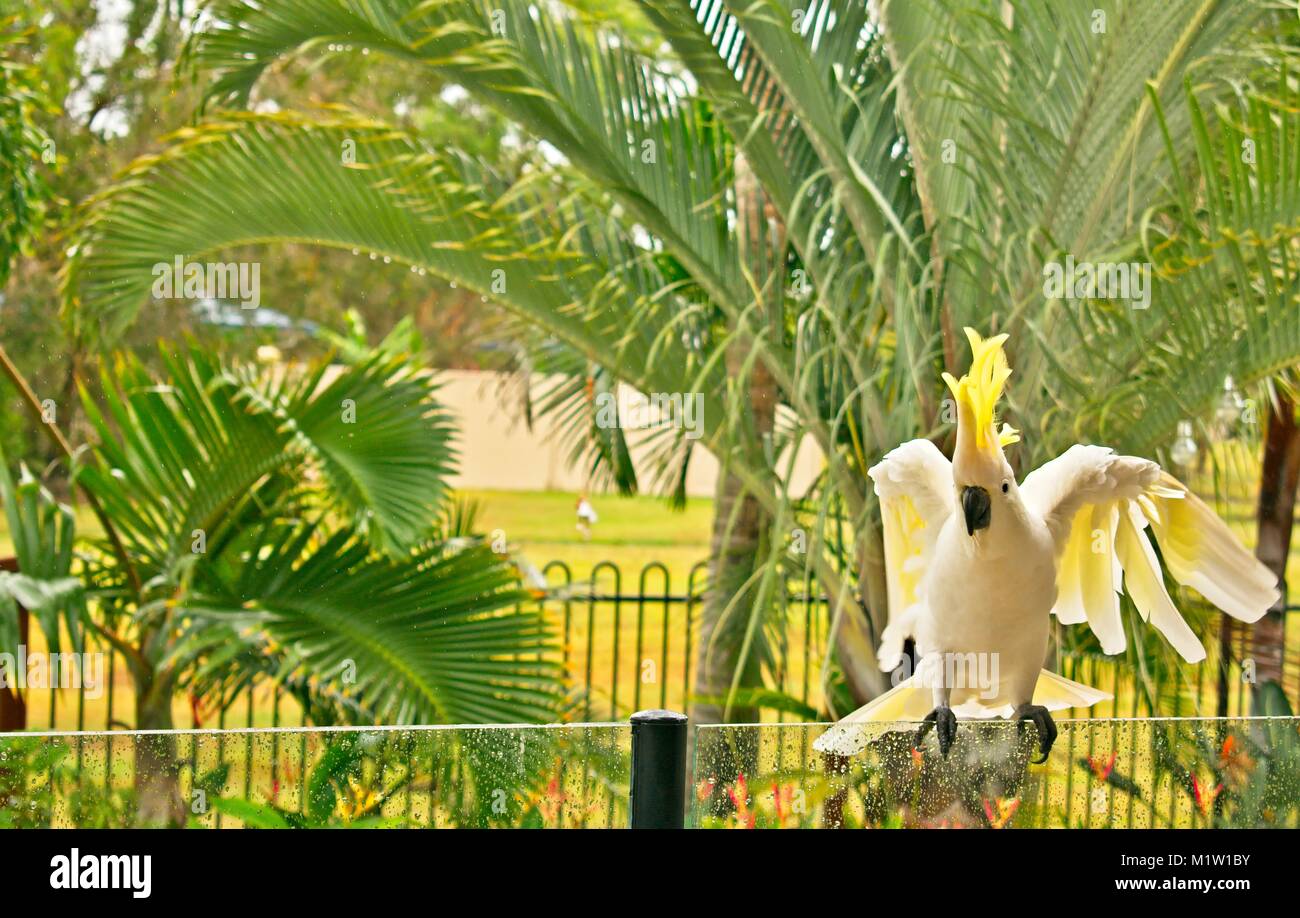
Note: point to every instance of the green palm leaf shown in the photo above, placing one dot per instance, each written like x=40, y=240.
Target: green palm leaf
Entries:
x=182, y=466
x=383, y=443
x=178, y=461
x=256, y=178
x=1054, y=141
x=613, y=115
x=42, y=530
x=827, y=61
x=433, y=637
x=1226, y=269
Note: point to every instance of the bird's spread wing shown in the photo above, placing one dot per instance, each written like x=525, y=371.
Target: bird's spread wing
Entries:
x=914, y=485
x=1098, y=507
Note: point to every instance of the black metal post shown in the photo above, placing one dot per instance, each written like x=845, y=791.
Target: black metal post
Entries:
x=657, y=799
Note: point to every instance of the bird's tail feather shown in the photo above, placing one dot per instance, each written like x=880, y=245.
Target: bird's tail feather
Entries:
x=1056, y=693
x=911, y=700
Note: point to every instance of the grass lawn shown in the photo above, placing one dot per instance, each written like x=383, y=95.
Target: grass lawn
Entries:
x=630, y=531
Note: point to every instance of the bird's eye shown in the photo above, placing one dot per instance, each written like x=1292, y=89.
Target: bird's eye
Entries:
x=1005, y=487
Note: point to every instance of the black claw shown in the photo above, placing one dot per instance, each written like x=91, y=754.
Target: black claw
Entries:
x=946, y=721
x=1043, y=723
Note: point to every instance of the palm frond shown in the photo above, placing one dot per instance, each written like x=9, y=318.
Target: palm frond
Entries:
x=250, y=179
x=829, y=63
x=383, y=442
x=432, y=637
x=182, y=465
x=178, y=464
x=613, y=115
x=42, y=530
x=1225, y=289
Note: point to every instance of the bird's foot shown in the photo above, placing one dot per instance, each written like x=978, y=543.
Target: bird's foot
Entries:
x=1042, y=721
x=944, y=723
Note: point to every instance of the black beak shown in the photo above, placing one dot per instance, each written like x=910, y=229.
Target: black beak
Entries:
x=976, y=506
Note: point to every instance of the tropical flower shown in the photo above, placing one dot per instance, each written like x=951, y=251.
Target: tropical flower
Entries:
x=739, y=795
x=1204, y=798
x=1101, y=769
x=704, y=788
x=1234, y=762
x=358, y=801
x=783, y=798
x=1000, y=811
x=551, y=802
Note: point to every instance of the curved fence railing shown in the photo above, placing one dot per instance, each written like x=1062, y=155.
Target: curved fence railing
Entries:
x=1172, y=772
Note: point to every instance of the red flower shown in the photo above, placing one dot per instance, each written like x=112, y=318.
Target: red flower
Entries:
x=739, y=794
x=1102, y=771
x=551, y=804
x=1205, y=799
x=704, y=788
x=1005, y=810
x=1234, y=762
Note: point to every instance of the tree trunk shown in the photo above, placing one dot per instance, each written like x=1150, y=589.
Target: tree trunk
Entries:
x=157, y=769
x=735, y=544
x=13, y=707
x=1266, y=638
x=734, y=552
x=861, y=672
x=736, y=548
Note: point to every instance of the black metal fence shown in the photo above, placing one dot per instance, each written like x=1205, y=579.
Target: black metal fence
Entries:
x=632, y=642
x=627, y=644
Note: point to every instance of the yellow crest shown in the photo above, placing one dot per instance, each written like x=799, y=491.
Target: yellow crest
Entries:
x=981, y=387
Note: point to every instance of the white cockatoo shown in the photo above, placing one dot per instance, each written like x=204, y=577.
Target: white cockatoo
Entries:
x=976, y=563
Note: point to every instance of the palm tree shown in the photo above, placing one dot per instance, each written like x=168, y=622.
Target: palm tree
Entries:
x=917, y=166
x=264, y=524
x=267, y=523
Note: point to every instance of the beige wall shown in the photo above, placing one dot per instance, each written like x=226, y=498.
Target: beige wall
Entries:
x=499, y=452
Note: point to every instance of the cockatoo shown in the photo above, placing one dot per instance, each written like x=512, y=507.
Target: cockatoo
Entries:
x=977, y=563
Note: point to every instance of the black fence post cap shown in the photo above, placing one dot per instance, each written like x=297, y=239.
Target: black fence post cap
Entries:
x=658, y=716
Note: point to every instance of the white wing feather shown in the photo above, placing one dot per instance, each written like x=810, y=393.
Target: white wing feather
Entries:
x=914, y=485
x=1098, y=506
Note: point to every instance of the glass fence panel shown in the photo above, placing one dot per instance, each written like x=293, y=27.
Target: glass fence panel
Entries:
x=552, y=776
x=1185, y=773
